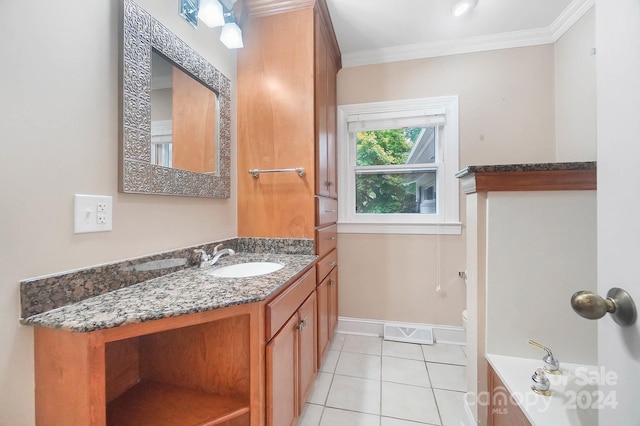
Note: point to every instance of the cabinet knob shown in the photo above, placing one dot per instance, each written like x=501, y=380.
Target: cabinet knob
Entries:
x=618, y=303
x=303, y=324
x=332, y=282
x=333, y=263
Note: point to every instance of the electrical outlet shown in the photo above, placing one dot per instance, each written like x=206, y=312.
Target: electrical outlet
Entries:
x=92, y=213
x=101, y=218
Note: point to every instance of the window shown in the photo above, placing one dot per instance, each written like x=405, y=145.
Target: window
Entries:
x=397, y=166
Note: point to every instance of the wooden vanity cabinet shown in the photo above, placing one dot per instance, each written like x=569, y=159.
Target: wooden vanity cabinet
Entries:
x=197, y=369
x=291, y=352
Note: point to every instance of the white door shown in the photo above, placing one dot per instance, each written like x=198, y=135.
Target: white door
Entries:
x=618, y=68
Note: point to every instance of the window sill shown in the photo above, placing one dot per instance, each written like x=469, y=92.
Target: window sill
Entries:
x=449, y=228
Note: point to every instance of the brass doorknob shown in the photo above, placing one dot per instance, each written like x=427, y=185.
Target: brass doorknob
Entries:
x=619, y=303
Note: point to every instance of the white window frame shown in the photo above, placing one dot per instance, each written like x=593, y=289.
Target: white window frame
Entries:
x=447, y=218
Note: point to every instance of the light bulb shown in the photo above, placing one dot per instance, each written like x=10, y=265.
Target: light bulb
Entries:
x=211, y=13
x=231, y=36
x=463, y=6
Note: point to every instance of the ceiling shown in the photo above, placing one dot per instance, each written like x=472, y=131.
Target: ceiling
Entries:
x=377, y=31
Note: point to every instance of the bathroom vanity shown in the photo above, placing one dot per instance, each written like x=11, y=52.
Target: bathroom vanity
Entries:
x=185, y=348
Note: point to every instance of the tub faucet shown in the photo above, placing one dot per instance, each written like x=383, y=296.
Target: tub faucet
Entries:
x=551, y=363
x=217, y=254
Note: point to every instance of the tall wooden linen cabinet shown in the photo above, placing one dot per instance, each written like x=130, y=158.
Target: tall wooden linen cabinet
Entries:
x=287, y=119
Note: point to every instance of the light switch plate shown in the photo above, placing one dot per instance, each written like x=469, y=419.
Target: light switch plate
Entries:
x=92, y=213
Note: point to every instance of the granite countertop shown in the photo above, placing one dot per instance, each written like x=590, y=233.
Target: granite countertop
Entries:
x=534, y=167
x=179, y=293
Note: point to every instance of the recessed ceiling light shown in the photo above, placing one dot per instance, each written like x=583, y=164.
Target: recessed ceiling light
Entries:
x=463, y=6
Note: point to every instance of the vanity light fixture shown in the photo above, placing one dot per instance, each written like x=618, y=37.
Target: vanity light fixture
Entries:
x=211, y=13
x=214, y=13
x=231, y=34
x=463, y=7
x=189, y=11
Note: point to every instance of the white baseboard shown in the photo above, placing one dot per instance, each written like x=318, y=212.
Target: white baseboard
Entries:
x=367, y=327
x=470, y=420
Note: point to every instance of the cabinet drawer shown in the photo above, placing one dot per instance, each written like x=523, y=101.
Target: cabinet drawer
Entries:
x=280, y=309
x=326, y=239
x=326, y=211
x=326, y=264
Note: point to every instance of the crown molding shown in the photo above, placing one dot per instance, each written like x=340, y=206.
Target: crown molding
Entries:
x=506, y=40
x=257, y=8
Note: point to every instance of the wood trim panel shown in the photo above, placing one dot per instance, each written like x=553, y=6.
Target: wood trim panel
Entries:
x=69, y=378
x=502, y=410
x=547, y=180
x=148, y=327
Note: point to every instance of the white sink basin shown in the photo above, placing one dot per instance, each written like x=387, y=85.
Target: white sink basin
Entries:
x=249, y=269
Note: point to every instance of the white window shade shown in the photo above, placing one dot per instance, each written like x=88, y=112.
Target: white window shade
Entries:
x=396, y=120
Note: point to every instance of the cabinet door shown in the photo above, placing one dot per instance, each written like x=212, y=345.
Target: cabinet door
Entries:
x=332, y=126
x=321, y=104
x=307, y=348
x=332, y=314
x=282, y=366
x=323, y=318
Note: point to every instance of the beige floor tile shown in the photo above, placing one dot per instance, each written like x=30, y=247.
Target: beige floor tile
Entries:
x=355, y=394
x=389, y=421
x=444, y=353
x=359, y=365
x=335, y=417
x=337, y=341
x=402, y=350
x=408, y=402
x=362, y=344
x=451, y=407
x=330, y=361
x=320, y=388
x=448, y=377
x=405, y=371
x=310, y=415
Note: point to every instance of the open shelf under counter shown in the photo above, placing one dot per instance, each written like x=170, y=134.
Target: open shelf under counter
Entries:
x=158, y=404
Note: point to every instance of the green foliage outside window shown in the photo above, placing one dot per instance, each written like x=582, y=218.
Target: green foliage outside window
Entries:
x=385, y=192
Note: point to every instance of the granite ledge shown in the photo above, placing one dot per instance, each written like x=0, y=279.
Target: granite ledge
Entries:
x=184, y=292
x=531, y=167
x=529, y=177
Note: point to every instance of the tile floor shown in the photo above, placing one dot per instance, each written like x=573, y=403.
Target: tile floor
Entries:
x=368, y=381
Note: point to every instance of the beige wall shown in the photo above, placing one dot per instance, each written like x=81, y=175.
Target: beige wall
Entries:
x=59, y=124
x=541, y=248
x=506, y=116
x=575, y=91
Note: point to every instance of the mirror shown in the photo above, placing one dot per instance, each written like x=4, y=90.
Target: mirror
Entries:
x=184, y=119
x=188, y=154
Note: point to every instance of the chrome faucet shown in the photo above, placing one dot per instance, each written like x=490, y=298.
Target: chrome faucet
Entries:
x=551, y=363
x=217, y=254
x=204, y=257
x=206, y=260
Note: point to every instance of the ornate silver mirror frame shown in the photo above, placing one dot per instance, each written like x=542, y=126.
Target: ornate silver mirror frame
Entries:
x=139, y=34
